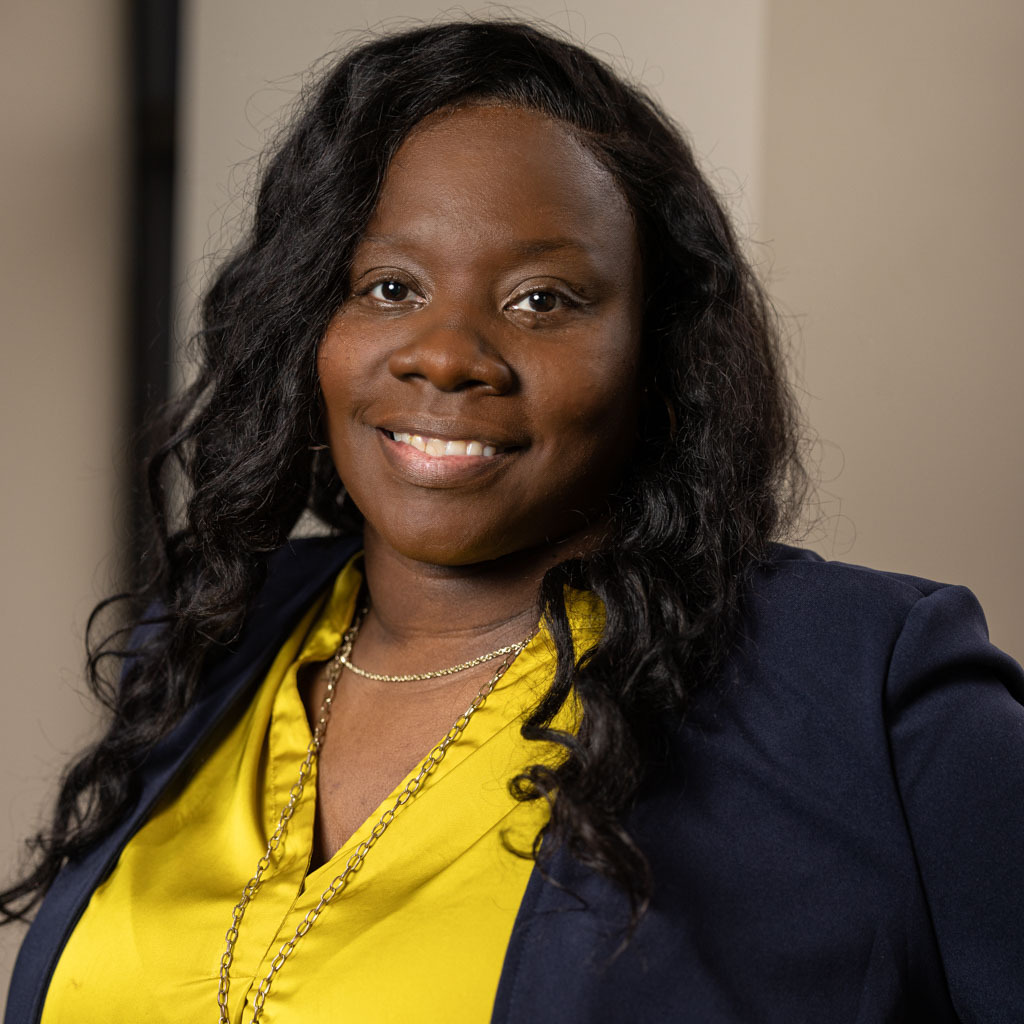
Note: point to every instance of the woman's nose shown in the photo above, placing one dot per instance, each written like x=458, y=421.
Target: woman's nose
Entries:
x=451, y=356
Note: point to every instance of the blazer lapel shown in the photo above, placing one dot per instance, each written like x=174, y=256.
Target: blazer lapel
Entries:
x=296, y=574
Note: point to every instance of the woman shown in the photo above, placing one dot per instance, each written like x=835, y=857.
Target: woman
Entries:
x=492, y=327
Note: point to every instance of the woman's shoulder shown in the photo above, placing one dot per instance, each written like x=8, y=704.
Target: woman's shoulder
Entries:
x=800, y=593
x=809, y=618
x=801, y=569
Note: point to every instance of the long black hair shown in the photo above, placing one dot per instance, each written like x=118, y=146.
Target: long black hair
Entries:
x=716, y=472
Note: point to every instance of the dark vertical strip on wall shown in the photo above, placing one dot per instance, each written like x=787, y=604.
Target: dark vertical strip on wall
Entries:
x=153, y=29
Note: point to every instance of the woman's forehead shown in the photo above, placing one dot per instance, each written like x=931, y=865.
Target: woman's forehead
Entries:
x=500, y=168
x=484, y=128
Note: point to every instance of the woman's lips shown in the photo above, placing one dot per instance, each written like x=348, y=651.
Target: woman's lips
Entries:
x=440, y=462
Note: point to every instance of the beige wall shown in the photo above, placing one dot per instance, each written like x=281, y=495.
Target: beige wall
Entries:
x=893, y=161
x=60, y=436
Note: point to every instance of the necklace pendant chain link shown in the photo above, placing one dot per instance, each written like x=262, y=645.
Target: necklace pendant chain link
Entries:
x=355, y=862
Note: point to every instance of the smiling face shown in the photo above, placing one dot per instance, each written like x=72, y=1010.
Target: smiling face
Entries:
x=480, y=383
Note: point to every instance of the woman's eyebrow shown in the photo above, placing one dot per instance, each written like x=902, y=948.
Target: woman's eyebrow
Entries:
x=523, y=249
x=544, y=246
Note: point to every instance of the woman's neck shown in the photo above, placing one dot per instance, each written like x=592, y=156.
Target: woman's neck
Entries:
x=426, y=616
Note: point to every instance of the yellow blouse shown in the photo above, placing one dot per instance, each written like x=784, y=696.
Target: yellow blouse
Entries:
x=419, y=933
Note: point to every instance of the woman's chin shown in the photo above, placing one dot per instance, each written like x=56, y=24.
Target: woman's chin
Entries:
x=434, y=545
x=456, y=545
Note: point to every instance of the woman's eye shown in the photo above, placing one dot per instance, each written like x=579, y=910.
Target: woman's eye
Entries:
x=539, y=302
x=390, y=291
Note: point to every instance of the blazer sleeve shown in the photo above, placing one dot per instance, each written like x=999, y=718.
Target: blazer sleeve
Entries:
x=955, y=707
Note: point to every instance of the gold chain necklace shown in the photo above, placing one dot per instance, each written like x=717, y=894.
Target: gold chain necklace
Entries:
x=435, y=674
x=433, y=759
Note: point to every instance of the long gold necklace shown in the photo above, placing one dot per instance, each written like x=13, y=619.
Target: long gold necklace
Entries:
x=432, y=760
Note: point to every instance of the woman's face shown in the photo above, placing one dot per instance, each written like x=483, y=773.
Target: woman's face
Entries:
x=480, y=383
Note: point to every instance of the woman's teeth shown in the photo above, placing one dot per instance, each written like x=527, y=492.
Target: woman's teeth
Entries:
x=437, y=446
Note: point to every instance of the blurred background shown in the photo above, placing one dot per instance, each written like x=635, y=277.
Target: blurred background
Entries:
x=872, y=155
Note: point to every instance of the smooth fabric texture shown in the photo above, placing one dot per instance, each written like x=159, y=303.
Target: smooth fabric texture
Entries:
x=438, y=894
x=835, y=833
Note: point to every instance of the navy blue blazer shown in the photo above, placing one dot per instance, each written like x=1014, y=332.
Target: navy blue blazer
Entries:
x=837, y=837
